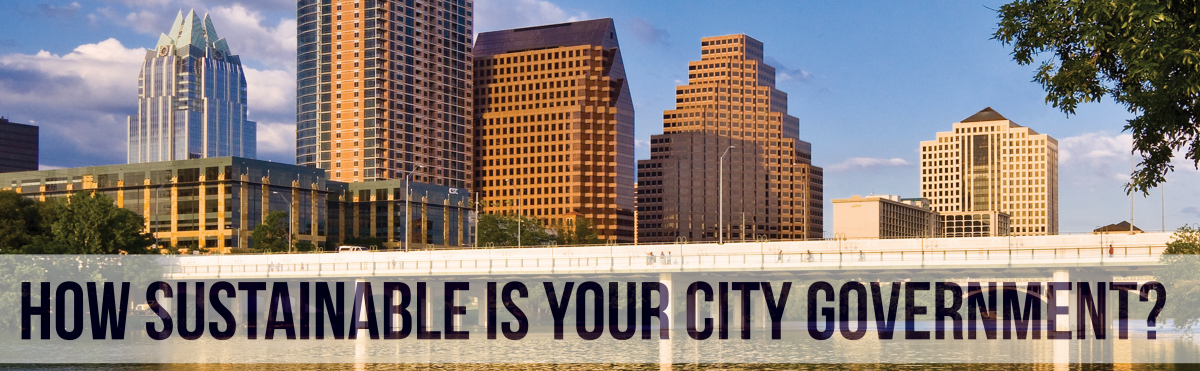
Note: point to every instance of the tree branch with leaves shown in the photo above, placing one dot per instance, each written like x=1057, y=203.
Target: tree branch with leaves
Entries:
x=1144, y=54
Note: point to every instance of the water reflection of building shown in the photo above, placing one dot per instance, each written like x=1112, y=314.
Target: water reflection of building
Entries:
x=215, y=203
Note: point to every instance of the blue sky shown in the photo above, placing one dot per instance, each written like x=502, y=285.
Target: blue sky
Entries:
x=868, y=80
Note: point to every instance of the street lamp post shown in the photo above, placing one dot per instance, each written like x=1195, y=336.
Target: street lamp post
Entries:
x=721, y=189
x=289, y=221
x=407, y=207
x=510, y=182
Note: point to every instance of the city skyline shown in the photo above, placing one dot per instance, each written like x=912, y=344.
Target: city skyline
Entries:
x=965, y=71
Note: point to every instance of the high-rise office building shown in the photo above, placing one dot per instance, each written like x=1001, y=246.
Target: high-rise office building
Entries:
x=770, y=187
x=18, y=146
x=989, y=164
x=191, y=98
x=384, y=88
x=554, y=133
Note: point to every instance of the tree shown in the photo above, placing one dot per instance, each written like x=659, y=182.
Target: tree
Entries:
x=87, y=223
x=501, y=230
x=306, y=246
x=582, y=232
x=272, y=234
x=1181, y=274
x=20, y=221
x=1145, y=54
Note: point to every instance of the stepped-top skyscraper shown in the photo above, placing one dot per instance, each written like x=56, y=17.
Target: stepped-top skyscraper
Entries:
x=771, y=189
x=384, y=88
x=555, y=125
x=989, y=165
x=191, y=98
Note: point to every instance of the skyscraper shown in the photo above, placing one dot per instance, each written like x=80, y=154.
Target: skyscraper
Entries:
x=990, y=165
x=18, y=146
x=191, y=98
x=555, y=126
x=384, y=88
x=771, y=189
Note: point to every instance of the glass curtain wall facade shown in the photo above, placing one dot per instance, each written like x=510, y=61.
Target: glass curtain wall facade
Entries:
x=214, y=204
x=384, y=88
x=555, y=126
x=771, y=188
x=206, y=204
x=191, y=98
x=990, y=164
x=435, y=217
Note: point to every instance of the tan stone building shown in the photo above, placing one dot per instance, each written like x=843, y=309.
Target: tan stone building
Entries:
x=383, y=88
x=554, y=133
x=989, y=165
x=884, y=216
x=771, y=188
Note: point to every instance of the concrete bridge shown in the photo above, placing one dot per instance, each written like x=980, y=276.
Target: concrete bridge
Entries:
x=1028, y=253
x=1063, y=258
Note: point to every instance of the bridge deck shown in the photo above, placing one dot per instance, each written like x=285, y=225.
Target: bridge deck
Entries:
x=960, y=253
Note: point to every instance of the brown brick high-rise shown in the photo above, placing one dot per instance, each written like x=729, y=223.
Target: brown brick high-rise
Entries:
x=554, y=133
x=770, y=182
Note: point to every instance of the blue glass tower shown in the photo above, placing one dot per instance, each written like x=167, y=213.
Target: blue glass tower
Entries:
x=191, y=98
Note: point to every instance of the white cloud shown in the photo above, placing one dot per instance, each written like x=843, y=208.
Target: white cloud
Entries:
x=856, y=163
x=492, y=15
x=251, y=36
x=638, y=143
x=1092, y=158
x=647, y=32
x=271, y=92
x=65, y=11
x=785, y=74
x=79, y=99
x=143, y=20
x=277, y=141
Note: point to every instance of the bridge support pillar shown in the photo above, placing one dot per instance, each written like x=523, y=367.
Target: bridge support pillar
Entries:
x=482, y=305
x=665, y=352
x=760, y=313
x=457, y=301
x=1062, y=322
x=428, y=304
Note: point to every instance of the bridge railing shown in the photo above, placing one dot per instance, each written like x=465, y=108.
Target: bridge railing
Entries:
x=407, y=264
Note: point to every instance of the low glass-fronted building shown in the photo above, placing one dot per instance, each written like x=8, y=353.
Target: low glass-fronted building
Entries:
x=213, y=204
x=439, y=217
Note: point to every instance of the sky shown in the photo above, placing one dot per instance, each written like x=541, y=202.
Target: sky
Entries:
x=868, y=80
